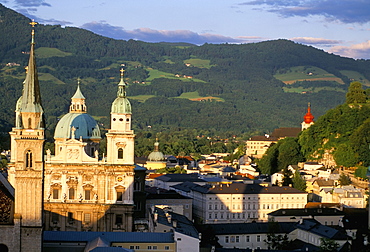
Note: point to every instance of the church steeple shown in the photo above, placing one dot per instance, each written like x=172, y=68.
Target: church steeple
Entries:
x=120, y=137
x=78, y=101
x=308, y=118
x=30, y=106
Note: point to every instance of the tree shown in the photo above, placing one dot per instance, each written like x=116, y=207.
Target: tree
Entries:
x=276, y=241
x=355, y=94
x=298, y=182
x=289, y=153
x=344, y=180
x=328, y=245
x=287, y=177
x=361, y=172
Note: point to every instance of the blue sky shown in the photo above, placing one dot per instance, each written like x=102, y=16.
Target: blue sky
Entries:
x=337, y=26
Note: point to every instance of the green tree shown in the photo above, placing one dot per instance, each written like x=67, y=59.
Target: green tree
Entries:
x=289, y=153
x=268, y=163
x=298, y=182
x=344, y=180
x=276, y=241
x=361, y=172
x=345, y=156
x=355, y=94
x=328, y=245
x=287, y=177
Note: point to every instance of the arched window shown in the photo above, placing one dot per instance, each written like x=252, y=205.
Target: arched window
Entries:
x=120, y=153
x=29, y=123
x=29, y=159
x=3, y=248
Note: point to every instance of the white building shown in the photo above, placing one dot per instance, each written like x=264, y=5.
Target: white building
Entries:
x=239, y=202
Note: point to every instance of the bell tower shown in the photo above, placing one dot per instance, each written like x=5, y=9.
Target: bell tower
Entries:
x=120, y=137
x=26, y=165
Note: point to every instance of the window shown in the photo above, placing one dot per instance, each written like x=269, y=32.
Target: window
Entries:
x=237, y=239
x=119, y=219
x=70, y=218
x=54, y=217
x=166, y=247
x=87, y=194
x=226, y=239
x=119, y=195
x=209, y=207
x=149, y=247
x=155, y=247
x=55, y=193
x=120, y=153
x=247, y=238
x=87, y=218
x=137, y=247
x=215, y=207
x=186, y=206
x=71, y=193
x=258, y=238
x=132, y=247
x=215, y=215
x=29, y=159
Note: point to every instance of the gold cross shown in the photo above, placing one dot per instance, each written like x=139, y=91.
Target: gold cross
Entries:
x=33, y=23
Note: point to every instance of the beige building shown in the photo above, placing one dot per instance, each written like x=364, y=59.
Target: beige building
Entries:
x=75, y=189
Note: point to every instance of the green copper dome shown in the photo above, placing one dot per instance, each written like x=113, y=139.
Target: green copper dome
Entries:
x=86, y=127
x=156, y=155
x=121, y=104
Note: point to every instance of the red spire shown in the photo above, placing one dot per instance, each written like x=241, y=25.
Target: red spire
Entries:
x=308, y=118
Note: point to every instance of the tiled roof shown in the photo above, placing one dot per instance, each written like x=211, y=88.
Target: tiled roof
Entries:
x=183, y=224
x=180, y=178
x=250, y=228
x=239, y=188
x=315, y=227
x=307, y=212
x=286, y=132
x=73, y=236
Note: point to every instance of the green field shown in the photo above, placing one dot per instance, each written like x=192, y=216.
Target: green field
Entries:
x=50, y=77
x=201, y=63
x=301, y=73
x=47, y=52
x=311, y=90
x=194, y=96
x=154, y=74
x=356, y=76
x=141, y=98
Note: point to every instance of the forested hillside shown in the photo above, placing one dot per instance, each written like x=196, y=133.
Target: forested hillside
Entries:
x=340, y=138
x=215, y=89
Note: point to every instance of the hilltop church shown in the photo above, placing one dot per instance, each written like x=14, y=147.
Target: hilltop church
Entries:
x=73, y=190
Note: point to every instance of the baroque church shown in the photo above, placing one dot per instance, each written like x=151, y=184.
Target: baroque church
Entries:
x=73, y=190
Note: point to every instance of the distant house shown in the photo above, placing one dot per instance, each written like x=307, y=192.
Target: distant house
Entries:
x=247, y=235
x=185, y=234
x=66, y=241
x=166, y=181
x=326, y=216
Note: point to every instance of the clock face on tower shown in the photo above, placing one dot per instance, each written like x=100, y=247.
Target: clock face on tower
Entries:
x=119, y=179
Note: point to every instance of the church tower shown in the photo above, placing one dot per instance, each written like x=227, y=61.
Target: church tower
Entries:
x=26, y=165
x=120, y=137
x=308, y=118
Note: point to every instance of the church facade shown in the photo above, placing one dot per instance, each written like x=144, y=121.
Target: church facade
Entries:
x=73, y=190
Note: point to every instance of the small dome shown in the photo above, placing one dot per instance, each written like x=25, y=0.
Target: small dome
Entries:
x=86, y=127
x=156, y=156
x=121, y=105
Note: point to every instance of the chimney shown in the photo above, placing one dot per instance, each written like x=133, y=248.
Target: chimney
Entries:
x=174, y=223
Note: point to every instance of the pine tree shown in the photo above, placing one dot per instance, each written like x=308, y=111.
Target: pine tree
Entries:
x=298, y=182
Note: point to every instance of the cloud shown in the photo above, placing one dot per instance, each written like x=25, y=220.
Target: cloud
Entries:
x=31, y=3
x=346, y=11
x=150, y=35
x=315, y=41
x=358, y=51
